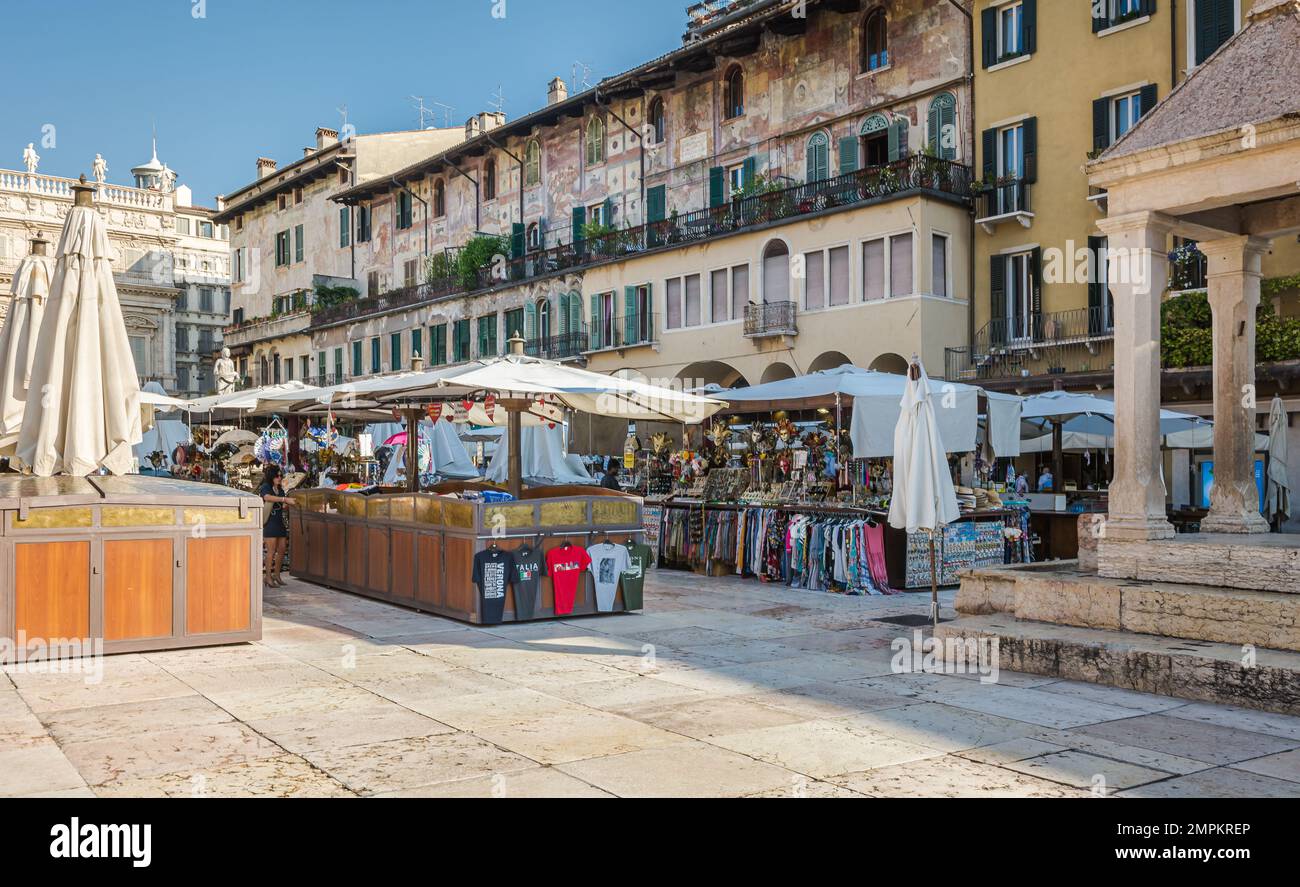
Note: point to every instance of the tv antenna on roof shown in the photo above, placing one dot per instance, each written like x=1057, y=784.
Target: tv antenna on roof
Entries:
x=586, y=75
x=447, y=111
x=499, y=100
x=424, y=112
x=345, y=131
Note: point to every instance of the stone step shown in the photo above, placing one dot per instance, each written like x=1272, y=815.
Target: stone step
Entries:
x=1268, y=680
x=1266, y=562
x=1061, y=593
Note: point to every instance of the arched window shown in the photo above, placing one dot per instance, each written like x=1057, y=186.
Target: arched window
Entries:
x=818, y=165
x=941, y=126
x=533, y=164
x=656, y=120
x=544, y=319
x=875, y=40
x=733, y=94
x=534, y=237
x=776, y=273
x=439, y=199
x=490, y=180
x=595, y=141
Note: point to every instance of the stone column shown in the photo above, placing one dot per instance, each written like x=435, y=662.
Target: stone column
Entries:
x=1234, y=272
x=1139, y=271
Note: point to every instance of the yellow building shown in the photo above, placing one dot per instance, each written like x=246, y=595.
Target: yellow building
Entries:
x=1056, y=82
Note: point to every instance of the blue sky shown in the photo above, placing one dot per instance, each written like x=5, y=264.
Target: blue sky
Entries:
x=256, y=77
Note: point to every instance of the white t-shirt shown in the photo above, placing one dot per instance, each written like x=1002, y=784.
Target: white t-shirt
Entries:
x=608, y=563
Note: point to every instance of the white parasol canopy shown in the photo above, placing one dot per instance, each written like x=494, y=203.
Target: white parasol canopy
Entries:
x=1278, y=499
x=237, y=437
x=31, y=288
x=88, y=415
x=923, y=498
x=542, y=459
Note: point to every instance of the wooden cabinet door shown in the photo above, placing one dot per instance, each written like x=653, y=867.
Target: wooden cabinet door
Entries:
x=217, y=585
x=139, y=580
x=52, y=590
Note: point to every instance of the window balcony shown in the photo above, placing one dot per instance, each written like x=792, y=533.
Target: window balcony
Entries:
x=567, y=346
x=771, y=319
x=1061, y=342
x=1004, y=201
x=627, y=331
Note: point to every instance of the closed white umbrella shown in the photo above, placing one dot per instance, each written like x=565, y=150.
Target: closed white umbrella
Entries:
x=31, y=288
x=84, y=414
x=1278, y=500
x=923, y=498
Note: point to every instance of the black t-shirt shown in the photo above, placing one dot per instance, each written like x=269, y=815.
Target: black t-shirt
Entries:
x=491, y=573
x=526, y=577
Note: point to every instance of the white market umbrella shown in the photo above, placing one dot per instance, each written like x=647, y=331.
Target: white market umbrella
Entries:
x=1278, y=499
x=87, y=416
x=237, y=437
x=923, y=497
x=30, y=289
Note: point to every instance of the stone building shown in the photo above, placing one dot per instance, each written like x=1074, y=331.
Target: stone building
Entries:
x=159, y=269
x=783, y=193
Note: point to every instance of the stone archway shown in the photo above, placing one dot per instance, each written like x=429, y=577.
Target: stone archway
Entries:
x=890, y=363
x=712, y=372
x=831, y=360
x=777, y=372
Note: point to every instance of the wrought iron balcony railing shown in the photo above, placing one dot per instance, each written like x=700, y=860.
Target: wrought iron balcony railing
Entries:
x=1005, y=347
x=626, y=331
x=770, y=319
x=1005, y=198
x=562, y=347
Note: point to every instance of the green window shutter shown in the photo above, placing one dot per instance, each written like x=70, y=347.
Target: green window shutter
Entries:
x=1029, y=26
x=934, y=129
x=749, y=171
x=395, y=351
x=356, y=358
x=596, y=343
x=345, y=225
x=990, y=151
x=717, y=186
x=417, y=344
x=1096, y=284
x=998, y=300
x=608, y=220
x=1101, y=124
x=1149, y=98
x=898, y=140
x=517, y=240
x=1031, y=150
x=575, y=313
x=579, y=222
x=375, y=361
x=848, y=155
x=656, y=203
x=630, y=318
x=530, y=322
x=989, y=36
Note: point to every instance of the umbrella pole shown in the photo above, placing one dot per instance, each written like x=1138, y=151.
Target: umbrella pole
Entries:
x=412, y=451
x=515, y=409
x=934, y=584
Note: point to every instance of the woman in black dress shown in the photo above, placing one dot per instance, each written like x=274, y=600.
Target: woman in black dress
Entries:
x=275, y=530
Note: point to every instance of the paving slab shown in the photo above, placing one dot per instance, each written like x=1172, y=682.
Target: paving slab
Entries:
x=366, y=723
x=952, y=777
x=283, y=776
x=682, y=771
x=708, y=717
x=1190, y=739
x=822, y=748
x=412, y=763
x=941, y=727
x=190, y=749
x=540, y=782
x=1222, y=782
x=1101, y=776
x=37, y=768
x=1280, y=766
x=575, y=736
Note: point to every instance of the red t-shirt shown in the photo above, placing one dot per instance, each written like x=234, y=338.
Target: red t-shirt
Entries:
x=566, y=567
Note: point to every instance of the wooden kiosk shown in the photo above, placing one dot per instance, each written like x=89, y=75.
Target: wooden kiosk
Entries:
x=417, y=549
x=126, y=565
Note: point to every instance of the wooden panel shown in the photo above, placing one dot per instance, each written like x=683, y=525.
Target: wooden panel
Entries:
x=138, y=580
x=377, y=556
x=356, y=554
x=461, y=596
x=52, y=590
x=429, y=581
x=336, y=558
x=402, y=553
x=300, y=549
x=217, y=584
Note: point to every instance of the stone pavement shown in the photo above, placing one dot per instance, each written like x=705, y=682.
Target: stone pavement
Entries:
x=725, y=687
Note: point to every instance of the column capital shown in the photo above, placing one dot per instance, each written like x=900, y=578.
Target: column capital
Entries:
x=1145, y=220
x=1238, y=252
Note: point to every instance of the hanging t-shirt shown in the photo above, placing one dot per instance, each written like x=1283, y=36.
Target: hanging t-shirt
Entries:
x=608, y=563
x=491, y=572
x=565, y=566
x=526, y=577
x=640, y=557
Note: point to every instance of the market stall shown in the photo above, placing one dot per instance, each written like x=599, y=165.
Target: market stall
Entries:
x=475, y=551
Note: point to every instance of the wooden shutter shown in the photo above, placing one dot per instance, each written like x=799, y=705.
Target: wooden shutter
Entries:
x=656, y=203
x=579, y=222
x=848, y=155
x=596, y=325
x=1149, y=98
x=629, y=315
x=575, y=313
x=717, y=186
x=989, y=36
x=517, y=244
x=1096, y=284
x=1101, y=124
x=1031, y=150
x=1029, y=25
x=990, y=150
x=749, y=171
x=898, y=140
x=1036, y=292
x=998, y=300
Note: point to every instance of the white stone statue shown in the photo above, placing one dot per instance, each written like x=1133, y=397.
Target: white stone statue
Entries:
x=226, y=373
x=100, y=169
x=31, y=159
x=168, y=179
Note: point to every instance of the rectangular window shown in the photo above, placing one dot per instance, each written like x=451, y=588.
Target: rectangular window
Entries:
x=900, y=266
x=182, y=225
x=376, y=363
x=1011, y=30
x=692, y=312
x=182, y=338
x=1125, y=112
x=719, y=298
x=282, y=253
x=345, y=226
x=873, y=270
x=395, y=352
x=814, y=290
x=460, y=344
x=673, y=309
x=357, y=368
x=206, y=302
x=338, y=366
x=1020, y=297
x=736, y=180
x=487, y=336
x=839, y=275
x=739, y=290
x=596, y=215
x=404, y=216
x=1214, y=22
x=438, y=345
x=514, y=322
x=372, y=283
x=939, y=264
x=286, y=372
x=410, y=272
x=298, y=243
x=363, y=224
x=304, y=368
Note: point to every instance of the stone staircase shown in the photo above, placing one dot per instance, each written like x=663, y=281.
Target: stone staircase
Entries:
x=1209, y=643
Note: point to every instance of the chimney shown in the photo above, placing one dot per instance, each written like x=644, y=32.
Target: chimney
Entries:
x=556, y=92
x=473, y=127
x=326, y=137
x=490, y=120
x=265, y=166
x=307, y=152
